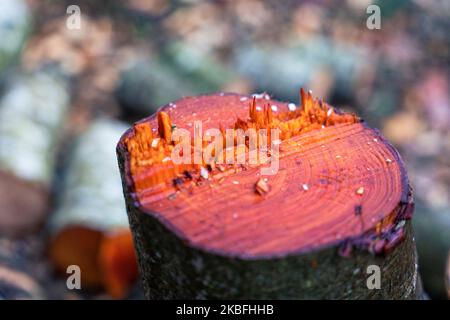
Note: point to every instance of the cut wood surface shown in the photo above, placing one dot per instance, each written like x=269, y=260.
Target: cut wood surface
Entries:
x=17, y=215
x=341, y=190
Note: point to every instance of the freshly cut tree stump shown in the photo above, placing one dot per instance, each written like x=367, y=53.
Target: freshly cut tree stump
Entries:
x=339, y=202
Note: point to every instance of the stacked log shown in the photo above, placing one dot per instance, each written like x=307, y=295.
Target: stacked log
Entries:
x=89, y=228
x=32, y=112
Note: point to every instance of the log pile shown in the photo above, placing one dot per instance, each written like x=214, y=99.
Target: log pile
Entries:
x=31, y=116
x=90, y=227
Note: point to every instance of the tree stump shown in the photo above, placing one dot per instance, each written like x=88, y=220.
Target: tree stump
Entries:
x=339, y=203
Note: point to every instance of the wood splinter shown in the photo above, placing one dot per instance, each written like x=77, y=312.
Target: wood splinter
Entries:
x=334, y=200
x=262, y=187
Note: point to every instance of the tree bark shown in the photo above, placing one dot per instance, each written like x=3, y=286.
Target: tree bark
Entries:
x=171, y=269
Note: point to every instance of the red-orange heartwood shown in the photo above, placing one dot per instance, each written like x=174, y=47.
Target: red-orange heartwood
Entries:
x=339, y=202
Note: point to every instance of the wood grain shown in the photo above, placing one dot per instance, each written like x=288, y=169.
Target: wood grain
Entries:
x=339, y=203
x=229, y=218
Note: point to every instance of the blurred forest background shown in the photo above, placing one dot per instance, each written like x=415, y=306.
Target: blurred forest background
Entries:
x=63, y=90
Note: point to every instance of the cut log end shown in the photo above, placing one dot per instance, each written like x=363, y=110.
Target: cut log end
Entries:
x=106, y=260
x=23, y=205
x=339, y=185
